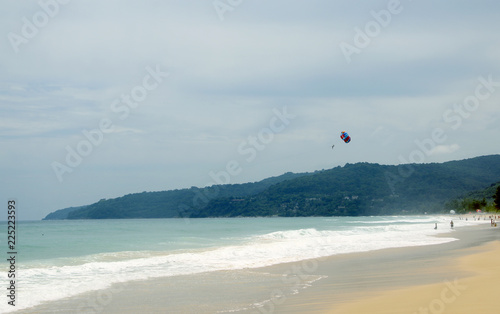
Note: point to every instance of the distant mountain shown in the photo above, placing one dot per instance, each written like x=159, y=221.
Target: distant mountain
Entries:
x=165, y=204
x=352, y=190
x=61, y=213
x=365, y=189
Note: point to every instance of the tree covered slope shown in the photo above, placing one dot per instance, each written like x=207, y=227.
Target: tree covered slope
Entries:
x=355, y=189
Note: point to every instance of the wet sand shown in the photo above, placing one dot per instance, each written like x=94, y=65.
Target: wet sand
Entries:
x=474, y=292
x=384, y=281
x=354, y=279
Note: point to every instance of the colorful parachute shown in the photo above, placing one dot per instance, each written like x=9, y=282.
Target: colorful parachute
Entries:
x=345, y=137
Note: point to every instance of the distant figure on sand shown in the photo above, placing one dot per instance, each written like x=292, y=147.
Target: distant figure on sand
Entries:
x=451, y=224
x=436, y=226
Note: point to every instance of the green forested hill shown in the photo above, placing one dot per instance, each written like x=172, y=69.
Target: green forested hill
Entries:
x=481, y=199
x=165, y=204
x=61, y=213
x=365, y=189
x=355, y=189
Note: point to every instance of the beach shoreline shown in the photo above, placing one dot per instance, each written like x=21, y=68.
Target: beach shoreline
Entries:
x=321, y=285
x=352, y=278
x=471, y=289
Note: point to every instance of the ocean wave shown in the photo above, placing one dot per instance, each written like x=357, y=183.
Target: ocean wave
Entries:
x=77, y=275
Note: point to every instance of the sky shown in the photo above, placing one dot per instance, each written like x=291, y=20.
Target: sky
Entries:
x=99, y=99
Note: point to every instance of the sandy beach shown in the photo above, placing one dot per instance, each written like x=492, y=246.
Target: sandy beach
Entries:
x=409, y=280
x=472, y=290
x=455, y=277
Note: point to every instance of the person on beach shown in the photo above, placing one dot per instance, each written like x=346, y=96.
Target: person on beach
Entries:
x=451, y=224
x=436, y=226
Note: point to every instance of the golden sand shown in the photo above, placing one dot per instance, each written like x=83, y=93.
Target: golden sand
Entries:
x=477, y=292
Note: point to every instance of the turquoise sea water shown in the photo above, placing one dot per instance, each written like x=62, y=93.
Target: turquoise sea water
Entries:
x=72, y=257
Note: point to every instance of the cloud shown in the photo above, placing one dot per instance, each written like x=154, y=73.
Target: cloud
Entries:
x=226, y=77
x=444, y=149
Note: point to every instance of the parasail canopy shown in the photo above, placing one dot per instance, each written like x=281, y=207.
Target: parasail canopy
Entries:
x=345, y=137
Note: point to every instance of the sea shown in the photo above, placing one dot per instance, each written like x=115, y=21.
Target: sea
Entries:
x=64, y=258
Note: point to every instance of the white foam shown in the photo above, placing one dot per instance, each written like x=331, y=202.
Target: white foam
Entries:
x=100, y=271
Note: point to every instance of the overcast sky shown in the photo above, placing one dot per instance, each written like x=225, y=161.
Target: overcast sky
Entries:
x=104, y=98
